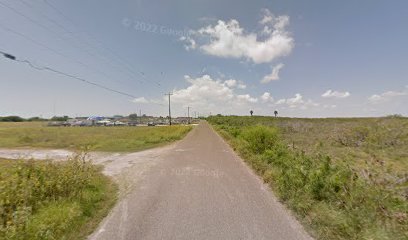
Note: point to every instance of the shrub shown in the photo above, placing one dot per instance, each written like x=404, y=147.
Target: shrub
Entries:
x=44, y=200
x=260, y=138
x=354, y=137
x=337, y=199
x=11, y=119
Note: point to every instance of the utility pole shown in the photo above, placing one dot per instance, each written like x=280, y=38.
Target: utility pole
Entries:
x=169, y=94
x=140, y=116
x=188, y=114
x=53, y=108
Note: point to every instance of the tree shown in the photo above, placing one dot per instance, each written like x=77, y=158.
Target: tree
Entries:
x=133, y=116
x=251, y=112
x=276, y=113
x=60, y=119
x=36, y=119
x=11, y=119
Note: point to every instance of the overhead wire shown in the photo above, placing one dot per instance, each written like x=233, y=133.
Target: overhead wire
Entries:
x=124, y=63
x=84, y=80
x=75, y=77
x=76, y=37
x=52, y=50
x=57, y=35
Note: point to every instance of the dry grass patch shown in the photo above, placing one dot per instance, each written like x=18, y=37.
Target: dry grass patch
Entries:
x=111, y=139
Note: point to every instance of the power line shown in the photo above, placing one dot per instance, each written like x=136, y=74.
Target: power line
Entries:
x=41, y=44
x=39, y=24
x=46, y=17
x=76, y=39
x=48, y=48
x=56, y=34
x=31, y=20
x=58, y=52
x=9, y=56
x=86, y=66
x=45, y=68
x=124, y=63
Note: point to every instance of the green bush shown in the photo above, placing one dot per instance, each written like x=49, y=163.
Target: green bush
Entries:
x=12, y=119
x=260, y=138
x=46, y=200
x=336, y=200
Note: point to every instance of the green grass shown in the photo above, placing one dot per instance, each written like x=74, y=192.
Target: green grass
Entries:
x=344, y=178
x=110, y=139
x=52, y=200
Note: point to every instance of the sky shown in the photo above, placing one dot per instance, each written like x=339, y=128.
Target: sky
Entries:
x=301, y=58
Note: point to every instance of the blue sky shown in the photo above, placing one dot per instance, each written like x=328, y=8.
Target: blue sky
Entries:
x=304, y=59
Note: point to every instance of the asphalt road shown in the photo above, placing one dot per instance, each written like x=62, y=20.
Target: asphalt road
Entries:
x=198, y=189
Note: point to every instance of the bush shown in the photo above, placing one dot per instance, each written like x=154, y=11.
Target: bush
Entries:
x=60, y=119
x=44, y=200
x=11, y=119
x=336, y=200
x=36, y=119
x=260, y=138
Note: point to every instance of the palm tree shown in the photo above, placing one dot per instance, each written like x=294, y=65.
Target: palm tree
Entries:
x=276, y=113
x=251, y=112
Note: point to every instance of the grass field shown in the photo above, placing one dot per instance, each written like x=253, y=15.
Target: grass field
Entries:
x=64, y=200
x=52, y=200
x=111, y=139
x=344, y=178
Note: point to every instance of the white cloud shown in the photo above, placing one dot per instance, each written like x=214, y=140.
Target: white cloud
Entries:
x=241, y=85
x=215, y=95
x=267, y=17
x=297, y=102
x=335, y=94
x=394, y=94
x=206, y=94
x=274, y=75
x=386, y=96
x=267, y=97
x=375, y=98
x=231, y=82
x=189, y=42
x=247, y=98
x=329, y=106
x=229, y=40
x=278, y=23
x=140, y=100
x=309, y=103
x=203, y=88
x=281, y=101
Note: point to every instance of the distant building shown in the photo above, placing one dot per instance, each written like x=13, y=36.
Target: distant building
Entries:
x=95, y=118
x=182, y=120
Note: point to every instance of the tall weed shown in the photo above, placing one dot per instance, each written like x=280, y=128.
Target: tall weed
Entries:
x=335, y=199
x=43, y=200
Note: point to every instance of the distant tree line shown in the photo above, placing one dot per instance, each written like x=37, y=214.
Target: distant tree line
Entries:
x=12, y=119
x=32, y=119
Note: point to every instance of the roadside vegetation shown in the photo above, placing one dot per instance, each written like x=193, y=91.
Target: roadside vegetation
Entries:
x=343, y=178
x=110, y=139
x=52, y=200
